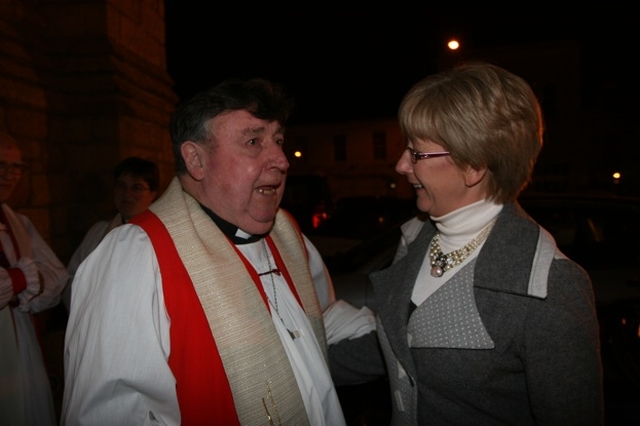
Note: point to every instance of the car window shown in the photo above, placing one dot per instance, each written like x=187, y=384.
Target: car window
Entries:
x=595, y=235
x=563, y=225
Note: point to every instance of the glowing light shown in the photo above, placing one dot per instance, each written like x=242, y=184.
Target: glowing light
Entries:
x=453, y=44
x=297, y=154
x=616, y=175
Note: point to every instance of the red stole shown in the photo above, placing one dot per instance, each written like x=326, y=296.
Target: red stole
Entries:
x=203, y=390
x=281, y=268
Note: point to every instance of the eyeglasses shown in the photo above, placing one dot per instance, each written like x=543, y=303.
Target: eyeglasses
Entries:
x=135, y=188
x=13, y=168
x=416, y=156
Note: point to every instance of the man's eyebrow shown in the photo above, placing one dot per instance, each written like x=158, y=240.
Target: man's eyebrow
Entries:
x=258, y=130
x=253, y=130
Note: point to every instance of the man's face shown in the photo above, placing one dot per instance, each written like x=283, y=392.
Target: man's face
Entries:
x=11, y=160
x=244, y=170
x=131, y=195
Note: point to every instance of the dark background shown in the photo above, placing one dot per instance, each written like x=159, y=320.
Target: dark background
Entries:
x=346, y=63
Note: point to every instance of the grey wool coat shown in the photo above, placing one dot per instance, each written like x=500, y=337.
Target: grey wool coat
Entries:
x=511, y=339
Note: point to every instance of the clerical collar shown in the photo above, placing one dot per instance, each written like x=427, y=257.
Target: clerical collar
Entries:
x=235, y=234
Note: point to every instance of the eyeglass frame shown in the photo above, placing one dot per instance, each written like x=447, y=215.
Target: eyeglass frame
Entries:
x=417, y=155
x=136, y=188
x=14, y=168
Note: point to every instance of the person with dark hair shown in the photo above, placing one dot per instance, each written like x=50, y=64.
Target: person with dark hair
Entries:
x=482, y=320
x=135, y=186
x=31, y=280
x=208, y=308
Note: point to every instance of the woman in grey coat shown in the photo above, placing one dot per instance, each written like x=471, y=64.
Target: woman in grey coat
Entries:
x=481, y=319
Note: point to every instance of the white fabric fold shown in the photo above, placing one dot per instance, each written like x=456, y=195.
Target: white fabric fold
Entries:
x=344, y=321
x=30, y=270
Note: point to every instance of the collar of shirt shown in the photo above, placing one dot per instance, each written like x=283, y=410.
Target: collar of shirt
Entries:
x=235, y=234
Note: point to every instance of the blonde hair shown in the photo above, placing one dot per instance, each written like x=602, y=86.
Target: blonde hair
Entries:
x=485, y=116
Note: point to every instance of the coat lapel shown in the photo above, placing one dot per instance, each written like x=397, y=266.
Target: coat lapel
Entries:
x=393, y=288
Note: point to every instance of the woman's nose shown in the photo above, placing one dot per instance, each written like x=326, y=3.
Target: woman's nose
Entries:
x=404, y=165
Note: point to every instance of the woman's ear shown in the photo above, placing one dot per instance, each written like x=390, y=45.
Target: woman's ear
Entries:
x=192, y=155
x=473, y=176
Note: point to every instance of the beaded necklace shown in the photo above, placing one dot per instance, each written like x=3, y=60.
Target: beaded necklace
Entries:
x=441, y=263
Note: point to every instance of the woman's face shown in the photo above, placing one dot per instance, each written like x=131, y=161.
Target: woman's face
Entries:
x=441, y=186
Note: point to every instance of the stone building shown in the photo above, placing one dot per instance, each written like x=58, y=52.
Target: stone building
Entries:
x=83, y=84
x=590, y=132
x=357, y=158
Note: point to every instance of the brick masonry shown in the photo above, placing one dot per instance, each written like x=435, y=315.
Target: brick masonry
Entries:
x=82, y=85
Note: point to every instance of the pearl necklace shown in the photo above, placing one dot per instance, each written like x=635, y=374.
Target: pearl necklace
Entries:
x=441, y=263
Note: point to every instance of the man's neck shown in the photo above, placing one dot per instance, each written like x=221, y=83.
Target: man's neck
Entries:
x=235, y=234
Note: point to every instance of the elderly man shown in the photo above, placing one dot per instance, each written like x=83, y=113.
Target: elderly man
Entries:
x=208, y=308
x=31, y=280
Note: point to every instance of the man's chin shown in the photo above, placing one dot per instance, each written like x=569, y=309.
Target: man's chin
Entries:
x=259, y=227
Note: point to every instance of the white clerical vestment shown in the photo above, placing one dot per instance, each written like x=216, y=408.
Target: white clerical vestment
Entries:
x=25, y=391
x=134, y=325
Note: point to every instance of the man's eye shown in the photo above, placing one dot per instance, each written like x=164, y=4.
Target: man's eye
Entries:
x=280, y=142
x=252, y=141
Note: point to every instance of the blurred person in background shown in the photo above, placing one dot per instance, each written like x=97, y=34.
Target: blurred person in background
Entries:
x=31, y=280
x=482, y=320
x=209, y=307
x=136, y=182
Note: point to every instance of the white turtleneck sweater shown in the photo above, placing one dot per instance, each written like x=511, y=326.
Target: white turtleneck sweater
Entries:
x=456, y=228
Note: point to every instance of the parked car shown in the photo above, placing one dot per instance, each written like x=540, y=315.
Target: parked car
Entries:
x=598, y=232
x=601, y=233
x=308, y=199
x=356, y=219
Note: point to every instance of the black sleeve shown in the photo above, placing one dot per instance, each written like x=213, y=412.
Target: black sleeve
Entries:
x=354, y=361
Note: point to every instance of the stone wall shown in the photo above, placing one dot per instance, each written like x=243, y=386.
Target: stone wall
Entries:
x=83, y=84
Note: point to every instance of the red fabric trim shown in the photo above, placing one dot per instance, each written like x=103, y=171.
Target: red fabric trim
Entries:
x=285, y=273
x=202, y=386
x=281, y=266
x=254, y=276
x=18, y=280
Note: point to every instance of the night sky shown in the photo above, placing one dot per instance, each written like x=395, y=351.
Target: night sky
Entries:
x=346, y=64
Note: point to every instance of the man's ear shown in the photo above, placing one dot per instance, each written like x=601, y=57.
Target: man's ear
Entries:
x=473, y=176
x=192, y=155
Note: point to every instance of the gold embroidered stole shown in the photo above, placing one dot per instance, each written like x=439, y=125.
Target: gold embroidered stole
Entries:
x=255, y=361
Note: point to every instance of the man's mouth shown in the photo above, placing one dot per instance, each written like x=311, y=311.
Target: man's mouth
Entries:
x=267, y=190
x=417, y=186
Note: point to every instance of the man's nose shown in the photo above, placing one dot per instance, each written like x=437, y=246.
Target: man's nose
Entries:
x=278, y=159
